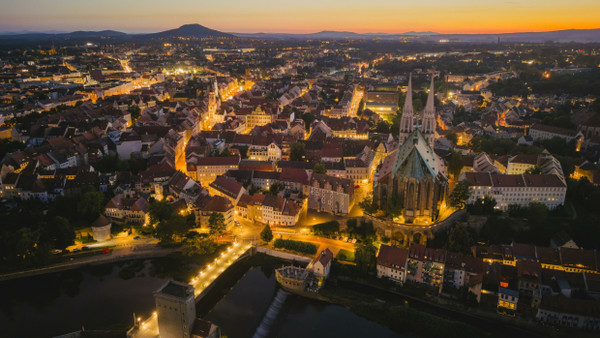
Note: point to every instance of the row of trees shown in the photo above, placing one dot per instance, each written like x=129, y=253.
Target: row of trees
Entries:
x=172, y=226
x=303, y=247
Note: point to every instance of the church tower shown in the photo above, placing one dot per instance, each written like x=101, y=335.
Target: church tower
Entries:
x=407, y=123
x=428, y=121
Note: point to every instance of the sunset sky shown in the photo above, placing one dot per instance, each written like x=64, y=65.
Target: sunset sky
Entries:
x=304, y=16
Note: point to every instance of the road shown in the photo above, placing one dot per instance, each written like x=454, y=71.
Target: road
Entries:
x=123, y=241
x=324, y=243
x=117, y=254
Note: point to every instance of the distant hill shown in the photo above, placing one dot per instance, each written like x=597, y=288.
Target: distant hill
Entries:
x=189, y=31
x=94, y=34
x=576, y=35
x=568, y=35
x=199, y=31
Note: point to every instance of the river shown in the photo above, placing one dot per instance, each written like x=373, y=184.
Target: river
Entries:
x=105, y=297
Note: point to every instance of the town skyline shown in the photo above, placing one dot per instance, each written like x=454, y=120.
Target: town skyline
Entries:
x=461, y=17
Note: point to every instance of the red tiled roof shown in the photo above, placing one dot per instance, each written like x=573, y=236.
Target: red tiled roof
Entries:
x=325, y=257
x=391, y=256
x=553, y=129
x=218, y=161
x=227, y=185
x=294, y=175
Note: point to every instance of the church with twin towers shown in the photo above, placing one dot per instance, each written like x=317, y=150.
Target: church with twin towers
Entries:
x=412, y=181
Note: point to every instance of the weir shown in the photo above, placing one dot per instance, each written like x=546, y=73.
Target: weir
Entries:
x=267, y=322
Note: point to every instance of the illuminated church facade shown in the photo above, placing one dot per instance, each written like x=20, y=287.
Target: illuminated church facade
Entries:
x=413, y=178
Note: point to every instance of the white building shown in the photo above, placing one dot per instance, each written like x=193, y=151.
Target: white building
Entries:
x=521, y=190
x=322, y=264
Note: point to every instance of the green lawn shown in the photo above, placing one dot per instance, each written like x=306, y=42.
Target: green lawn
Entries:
x=345, y=255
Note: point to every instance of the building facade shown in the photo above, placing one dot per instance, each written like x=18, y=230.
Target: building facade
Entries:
x=331, y=194
x=176, y=309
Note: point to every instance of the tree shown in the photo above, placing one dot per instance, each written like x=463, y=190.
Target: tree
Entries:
x=367, y=205
x=537, y=214
x=160, y=211
x=452, y=137
x=172, y=229
x=266, y=234
x=216, y=223
x=327, y=229
x=308, y=119
x=361, y=107
x=533, y=170
x=459, y=195
x=482, y=206
x=243, y=152
x=455, y=164
x=274, y=189
x=199, y=246
x=135, y=111
x=365, y=257
x=395, y=206
x=559, y=146
x=319, y=168
x=460, y=239
x=297, y=151
x=382, y=127
x=91, y=205
x=62, y=232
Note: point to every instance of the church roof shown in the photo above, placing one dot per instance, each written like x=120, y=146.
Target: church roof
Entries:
x=415, y=158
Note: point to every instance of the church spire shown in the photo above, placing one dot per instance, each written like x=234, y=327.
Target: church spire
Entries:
x=428, y=123
x=429, y=107
x=407, y=123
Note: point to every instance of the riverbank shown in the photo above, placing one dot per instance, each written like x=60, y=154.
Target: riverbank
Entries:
x=116, y=255
x=413, y=307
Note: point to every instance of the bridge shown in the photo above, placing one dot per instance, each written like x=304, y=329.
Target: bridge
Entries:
x=202, y=283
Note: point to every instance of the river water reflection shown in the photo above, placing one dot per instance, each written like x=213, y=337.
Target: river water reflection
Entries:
x=100, y=298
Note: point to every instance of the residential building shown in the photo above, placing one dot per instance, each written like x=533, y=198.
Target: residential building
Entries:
x=391, y=263
x=576, y=313
x=425, y=265
x=124, y=209
x=216, y=204
x=331, y=194
x=268, y=209
x=228, y=188
x=206, y=169
x=507, y=301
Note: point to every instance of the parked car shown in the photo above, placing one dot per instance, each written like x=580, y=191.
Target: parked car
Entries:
x=136, y=237
x=55, y=251
x=85, y=248
x=76, y=250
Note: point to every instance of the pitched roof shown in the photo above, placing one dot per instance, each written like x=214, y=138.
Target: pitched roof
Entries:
x=415, y=158
x=217, y=204
x=217, y=161
x=227, y=185
x=325, y=257
x=100, y=222
x=391, y=256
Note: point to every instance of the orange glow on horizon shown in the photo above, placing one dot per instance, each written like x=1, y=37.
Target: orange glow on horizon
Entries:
x=309, y=16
